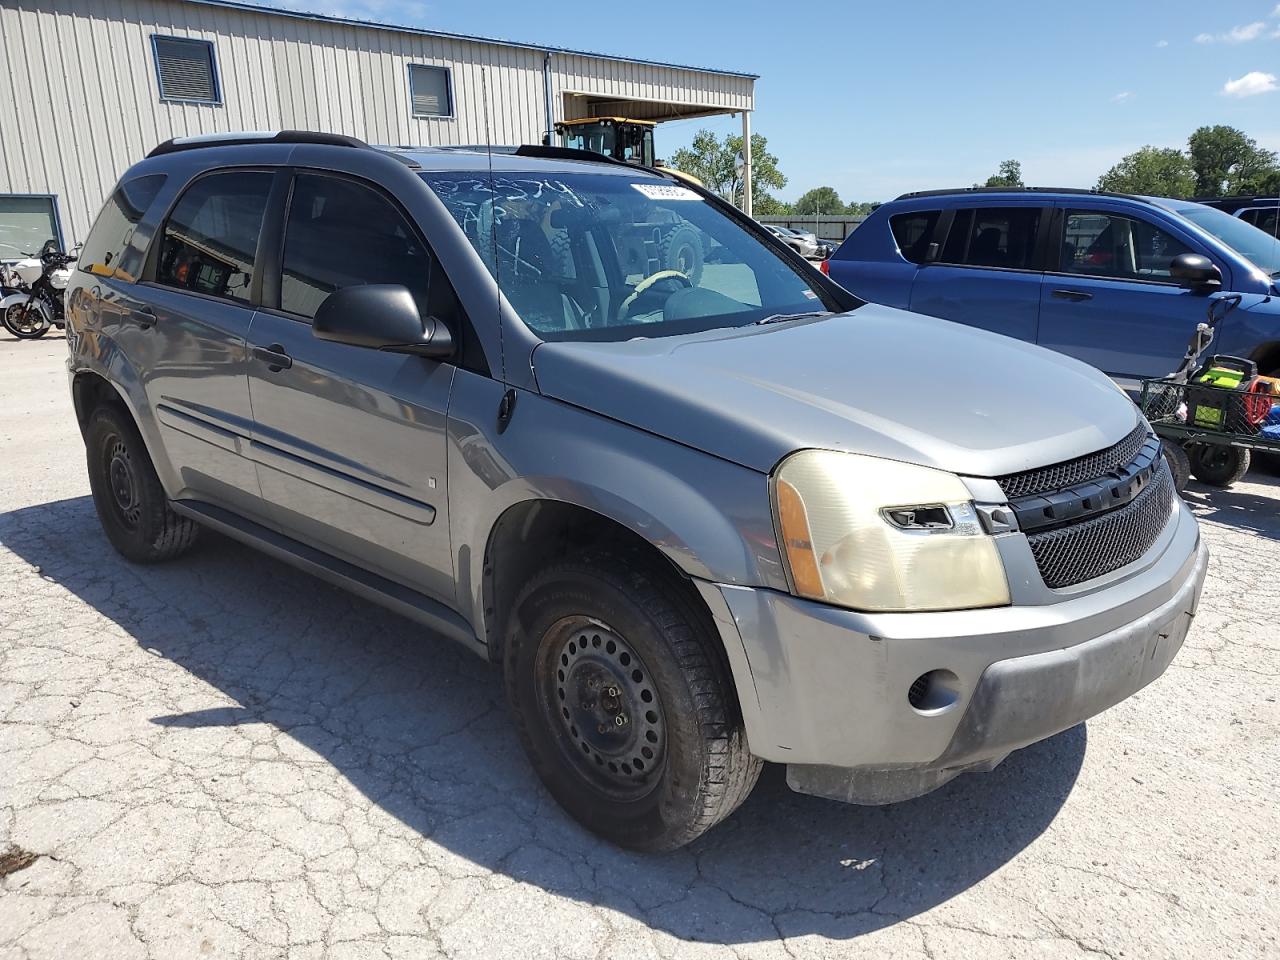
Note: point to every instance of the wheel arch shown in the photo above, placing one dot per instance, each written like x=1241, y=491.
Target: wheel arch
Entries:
x=90, y=390
x=532, y=533
x=108, y=383
x=1267, y=357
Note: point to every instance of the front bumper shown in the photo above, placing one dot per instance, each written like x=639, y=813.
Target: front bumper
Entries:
x=825, y=690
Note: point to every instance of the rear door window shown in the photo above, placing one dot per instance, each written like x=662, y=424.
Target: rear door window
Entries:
x=210, y=240
x=1103, y=244
x=113, y=229
x=1266, y=219
x=340, y=233
x=1002, y=237
x=912, y=232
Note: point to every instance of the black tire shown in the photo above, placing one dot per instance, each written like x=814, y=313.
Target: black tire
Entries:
x=1179, y=463
x=1218, y=465
x=682, y=250
x=127, y=494
x=17, y=320
x=597, y=638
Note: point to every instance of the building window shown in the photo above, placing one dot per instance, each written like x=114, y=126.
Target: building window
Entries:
x=430, y=91
x=27, y=223
x=186, y=69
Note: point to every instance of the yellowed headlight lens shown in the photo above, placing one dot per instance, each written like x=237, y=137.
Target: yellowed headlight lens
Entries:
x=841, y=547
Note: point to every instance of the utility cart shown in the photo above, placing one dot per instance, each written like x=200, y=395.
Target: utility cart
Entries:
x=1212, y=414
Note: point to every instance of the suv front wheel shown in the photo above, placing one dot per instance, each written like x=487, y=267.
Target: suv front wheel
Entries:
x=624, y=705
x=127, y=494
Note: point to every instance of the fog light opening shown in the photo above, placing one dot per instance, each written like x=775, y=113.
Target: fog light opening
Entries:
x=934, y=691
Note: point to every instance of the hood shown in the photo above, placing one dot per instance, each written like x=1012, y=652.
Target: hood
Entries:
x=876, y=380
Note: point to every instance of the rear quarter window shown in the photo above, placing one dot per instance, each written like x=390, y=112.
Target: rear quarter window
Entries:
x=912, y=232
x=1003, y=237
x=112, y=231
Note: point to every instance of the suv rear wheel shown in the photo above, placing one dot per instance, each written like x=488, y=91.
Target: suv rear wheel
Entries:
x=624, y=705
x=127, y=494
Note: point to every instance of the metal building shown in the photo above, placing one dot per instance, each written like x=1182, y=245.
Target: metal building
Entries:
x=94, y=84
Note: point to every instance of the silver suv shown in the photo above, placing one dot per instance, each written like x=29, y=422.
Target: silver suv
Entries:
x=705, y=512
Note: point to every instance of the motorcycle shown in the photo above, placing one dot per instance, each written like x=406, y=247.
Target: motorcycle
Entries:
x=34, y=303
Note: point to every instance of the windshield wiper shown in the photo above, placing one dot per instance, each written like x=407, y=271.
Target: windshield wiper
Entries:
x=784, y=317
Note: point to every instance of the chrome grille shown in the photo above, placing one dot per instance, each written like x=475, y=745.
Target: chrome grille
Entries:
x=1095, y=547
x=1071, y=472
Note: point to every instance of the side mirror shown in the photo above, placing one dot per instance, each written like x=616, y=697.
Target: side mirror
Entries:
x=381, y=316
x=1195, y=271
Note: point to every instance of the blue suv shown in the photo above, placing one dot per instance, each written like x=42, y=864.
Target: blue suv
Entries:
x=1117, y=281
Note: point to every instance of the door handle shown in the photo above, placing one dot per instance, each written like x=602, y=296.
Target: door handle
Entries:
x=275, y=357
x=1075, y=296
x=144, y=317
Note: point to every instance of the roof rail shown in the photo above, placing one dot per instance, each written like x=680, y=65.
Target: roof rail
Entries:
x=1084, y=191
x=570, y=153
x=243, y=137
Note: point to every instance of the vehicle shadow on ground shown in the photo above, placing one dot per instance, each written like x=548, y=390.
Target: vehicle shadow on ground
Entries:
x=1256, y=512
x=420, y=728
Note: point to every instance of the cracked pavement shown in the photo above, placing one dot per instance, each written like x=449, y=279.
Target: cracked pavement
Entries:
x=223, y=757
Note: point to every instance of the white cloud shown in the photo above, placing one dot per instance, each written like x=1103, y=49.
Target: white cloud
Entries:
x=1162, y=43
x=1250, y=85
x=1276, y=11
x=1122, y=96
x=1242, y=34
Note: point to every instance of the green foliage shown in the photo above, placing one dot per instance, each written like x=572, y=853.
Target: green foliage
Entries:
x=769, y=206
x=1008, y=174
x=860, y=208
x=1152, y=171
x=819, y=200
x=1228, y=162
x=714, y=162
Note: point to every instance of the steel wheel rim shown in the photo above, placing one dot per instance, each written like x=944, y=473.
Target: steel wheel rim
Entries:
x=601, y=698
x=122, y=482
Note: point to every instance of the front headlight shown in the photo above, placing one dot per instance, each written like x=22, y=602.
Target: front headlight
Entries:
x=880, y=535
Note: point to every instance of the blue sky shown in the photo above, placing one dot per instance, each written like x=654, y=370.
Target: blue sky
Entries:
x=877, y=99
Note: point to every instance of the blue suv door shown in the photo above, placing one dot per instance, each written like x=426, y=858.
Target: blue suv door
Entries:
x=987, y=273
x=1107, y=297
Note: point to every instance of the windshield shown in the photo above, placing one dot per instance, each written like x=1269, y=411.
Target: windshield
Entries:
x=1246, y=239
x=607, y=257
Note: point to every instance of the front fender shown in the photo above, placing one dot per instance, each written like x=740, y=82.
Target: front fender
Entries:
x=711, y=518
x=21, y=297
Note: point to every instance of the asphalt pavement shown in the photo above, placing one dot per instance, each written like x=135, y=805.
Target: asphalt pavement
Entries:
x=225, y=758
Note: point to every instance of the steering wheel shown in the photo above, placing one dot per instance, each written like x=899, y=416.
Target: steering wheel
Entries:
x=643, y=286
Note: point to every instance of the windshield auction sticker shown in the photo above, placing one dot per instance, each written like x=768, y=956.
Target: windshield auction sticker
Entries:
x=663, y=191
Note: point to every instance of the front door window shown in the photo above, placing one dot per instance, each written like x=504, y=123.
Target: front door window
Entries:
x=1102, y=244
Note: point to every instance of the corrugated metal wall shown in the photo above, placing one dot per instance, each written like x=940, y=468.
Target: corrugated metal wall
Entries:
x=86, y=102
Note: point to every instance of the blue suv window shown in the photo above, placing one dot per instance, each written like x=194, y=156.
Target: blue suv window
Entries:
x=993, y=237
x=911, y=231
x=1102, y=244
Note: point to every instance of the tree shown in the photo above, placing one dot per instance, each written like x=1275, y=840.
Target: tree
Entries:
x=714, y=162
x=860, y=208
x=1226, y=161
x=769, y=206
x=1008, y=174
x=817, y=201
x=1154, y=171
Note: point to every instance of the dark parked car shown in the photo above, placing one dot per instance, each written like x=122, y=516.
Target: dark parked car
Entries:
x=1262, y=212
x=701, y=523
x=1117, y=281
